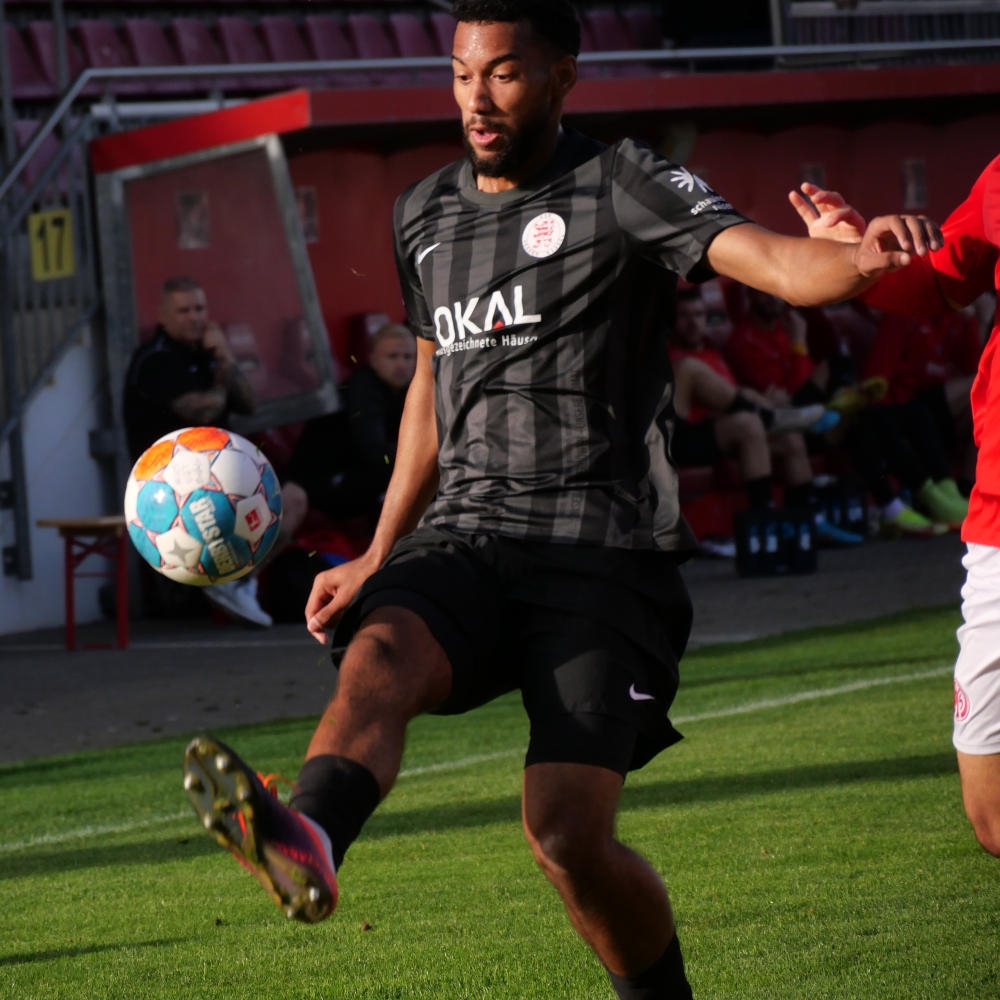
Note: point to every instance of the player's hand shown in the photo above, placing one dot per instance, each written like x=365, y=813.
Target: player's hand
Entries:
x=332, y=591
x=827, y=215
x=891, y=240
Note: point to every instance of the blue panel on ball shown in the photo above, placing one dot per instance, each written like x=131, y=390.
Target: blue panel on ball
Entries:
x=225, y=555
x=210, y=516
x=272, y=488
x=156, y=507
x=144, y=546
x=266, y=541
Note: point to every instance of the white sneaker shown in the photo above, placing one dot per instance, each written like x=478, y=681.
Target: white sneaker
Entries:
x=795, y=418
x=238, y=599
x=719, y=548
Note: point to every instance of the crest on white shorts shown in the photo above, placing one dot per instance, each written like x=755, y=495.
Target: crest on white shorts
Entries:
x=962, y=703
x=544, y=235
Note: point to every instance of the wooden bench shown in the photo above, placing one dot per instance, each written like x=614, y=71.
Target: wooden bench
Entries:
x=101, y=536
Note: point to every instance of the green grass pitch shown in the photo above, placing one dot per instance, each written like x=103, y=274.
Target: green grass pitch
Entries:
x=809, y=828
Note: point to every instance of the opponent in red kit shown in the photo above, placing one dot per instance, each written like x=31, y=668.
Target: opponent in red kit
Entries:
x=966, y=267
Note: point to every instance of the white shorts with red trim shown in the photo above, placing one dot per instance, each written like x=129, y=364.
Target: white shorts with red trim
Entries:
x=977, y=670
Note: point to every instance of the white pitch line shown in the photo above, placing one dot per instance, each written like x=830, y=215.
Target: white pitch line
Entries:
x=88, y=832
x=811, y=695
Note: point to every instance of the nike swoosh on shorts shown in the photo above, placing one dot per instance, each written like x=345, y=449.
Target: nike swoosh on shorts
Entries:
x=639, y=695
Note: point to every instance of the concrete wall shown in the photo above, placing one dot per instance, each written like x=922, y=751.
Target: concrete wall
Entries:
x=63, y=481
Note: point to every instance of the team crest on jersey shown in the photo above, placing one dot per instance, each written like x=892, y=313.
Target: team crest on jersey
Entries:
x=544, y=235
x=962, y=704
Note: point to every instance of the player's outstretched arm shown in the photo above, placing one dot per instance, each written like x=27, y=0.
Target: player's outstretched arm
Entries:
x=817, y=272
x=411, y=488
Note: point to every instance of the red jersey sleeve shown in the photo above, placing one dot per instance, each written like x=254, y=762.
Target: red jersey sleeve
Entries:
x=961, y=270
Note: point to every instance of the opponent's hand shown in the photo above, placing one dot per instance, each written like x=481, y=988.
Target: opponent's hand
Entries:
x=332, y=591
x=891, y=240
x=827, y=215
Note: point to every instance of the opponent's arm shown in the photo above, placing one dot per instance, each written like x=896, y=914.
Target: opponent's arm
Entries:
x=411, y=488
x=814, y=272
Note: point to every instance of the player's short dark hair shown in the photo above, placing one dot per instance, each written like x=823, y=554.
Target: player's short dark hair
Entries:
x=554, y=20
x=180, y=283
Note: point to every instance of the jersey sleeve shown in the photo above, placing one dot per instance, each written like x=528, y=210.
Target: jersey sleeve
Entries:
x=669, y=213
x=418, y=316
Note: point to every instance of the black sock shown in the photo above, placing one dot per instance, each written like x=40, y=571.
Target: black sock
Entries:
x=663, y=980
x=808, y=393
x=340, y=795
x=741, y=403
x=759, y=492
x=798, y=496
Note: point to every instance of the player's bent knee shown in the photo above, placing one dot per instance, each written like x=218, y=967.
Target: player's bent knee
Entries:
x=565, y=844
x=987, y=829
x=561, y=852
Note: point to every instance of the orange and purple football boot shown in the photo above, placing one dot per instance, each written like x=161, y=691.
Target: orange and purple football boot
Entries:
x=277, y=845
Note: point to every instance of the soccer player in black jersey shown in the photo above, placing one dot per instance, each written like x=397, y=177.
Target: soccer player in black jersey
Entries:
x=531, y=532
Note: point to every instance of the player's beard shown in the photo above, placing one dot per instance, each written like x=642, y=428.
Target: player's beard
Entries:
x=516, y=149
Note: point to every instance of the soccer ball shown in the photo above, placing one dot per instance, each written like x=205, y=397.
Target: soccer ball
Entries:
x=203, y=505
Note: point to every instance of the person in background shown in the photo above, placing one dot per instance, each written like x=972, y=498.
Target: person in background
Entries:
x=717, y=417
x=344, y=460
x=929, y=364
x=769, y=350
x=185, y=375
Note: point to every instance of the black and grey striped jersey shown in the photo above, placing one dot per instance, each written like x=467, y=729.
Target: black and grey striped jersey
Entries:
x=553, y=389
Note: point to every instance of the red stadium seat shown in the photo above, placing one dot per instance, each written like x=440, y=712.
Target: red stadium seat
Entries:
x=41, y=38
x=412, y=38
x=608, y=30
x=27, y=80
x=643, y=28
x=197, y=46
x=443, y=29
x=151, y=47
x=104, y=48
x=241, y=44
x=284, y=43
x=609, y=34
x=330, y=42
x=589, y=70
x=372, y=42
x=23, y=131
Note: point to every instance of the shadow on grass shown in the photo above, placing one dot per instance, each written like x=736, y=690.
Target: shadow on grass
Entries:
x=485, y=812
x=731, y=786
x=84, y=854
x=54, y=954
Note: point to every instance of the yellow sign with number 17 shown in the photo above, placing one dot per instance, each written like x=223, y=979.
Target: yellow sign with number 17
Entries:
x=51, y=237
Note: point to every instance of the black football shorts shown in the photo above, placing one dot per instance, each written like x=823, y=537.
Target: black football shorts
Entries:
x=590, y=636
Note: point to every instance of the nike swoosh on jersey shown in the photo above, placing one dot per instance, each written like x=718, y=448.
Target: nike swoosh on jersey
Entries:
x=639, y=695
x=423, y=253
